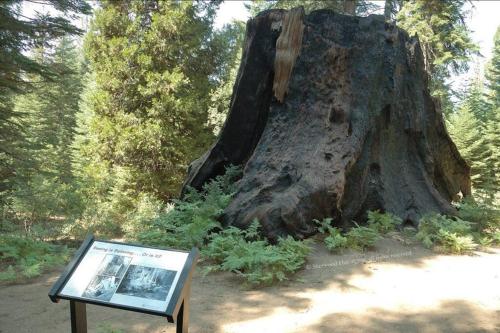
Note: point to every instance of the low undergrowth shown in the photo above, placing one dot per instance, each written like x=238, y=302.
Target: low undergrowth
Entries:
x=383, y=222
x=446, y=234
x=189, y=221
x=193, y=222
x=359, y=237
x=477, y=225
x=24, y=257
x=247, y=254
x=485, y=219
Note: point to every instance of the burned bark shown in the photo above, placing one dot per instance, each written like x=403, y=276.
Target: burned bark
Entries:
x=356, y=131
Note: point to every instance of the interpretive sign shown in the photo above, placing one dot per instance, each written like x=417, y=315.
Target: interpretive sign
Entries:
x=130, y=277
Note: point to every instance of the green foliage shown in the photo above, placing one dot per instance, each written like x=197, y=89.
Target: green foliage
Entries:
x=478, y=223
x=231, y=37
x=42, y=190
x=155, y=67
x=159, y=71
x=361, y=238
x=334, y=240
x=485, y=219
x=21, y=73
x=361, y=7
x=465, y=128
x=453, y=243
x=445, y=40
x=9, y=274
x=189, y=222
x=448, y=235
x=492, y=123
x=27, y=257
x=493, y=72
x=253, y=258
x=383, y=222
x=193, y=222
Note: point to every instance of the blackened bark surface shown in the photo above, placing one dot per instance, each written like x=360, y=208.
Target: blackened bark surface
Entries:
x=357, y=131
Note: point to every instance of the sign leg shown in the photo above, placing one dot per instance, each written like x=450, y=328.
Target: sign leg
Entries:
x=78, y=312
x=183, y=318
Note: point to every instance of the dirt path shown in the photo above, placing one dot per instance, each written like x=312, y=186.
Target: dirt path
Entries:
x=397, y=288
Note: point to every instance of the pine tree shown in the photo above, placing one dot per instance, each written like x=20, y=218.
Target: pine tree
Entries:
x=19, y=35
x=493, y=72
x=351, y=7
x=492, y=121
x=156, y=64
x=43, y=183
x=476, y=101
x=492, y=139
x=464, y=129
x=231, y=37
x=445, y=40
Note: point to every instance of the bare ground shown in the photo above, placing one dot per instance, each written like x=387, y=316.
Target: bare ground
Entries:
x=397, y=288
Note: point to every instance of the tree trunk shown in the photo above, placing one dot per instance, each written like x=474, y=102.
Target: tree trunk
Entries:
x=353, y=128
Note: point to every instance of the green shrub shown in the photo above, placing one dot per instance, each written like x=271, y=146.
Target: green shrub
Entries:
x=358, y=238
x=486, y=220
x=193, y=222
x=253, y=258
x=334, y=240
x=26, y=257
x=361, y=238
x=383, y=222
x=447, y=234
x=190, y=221
x=453, y=243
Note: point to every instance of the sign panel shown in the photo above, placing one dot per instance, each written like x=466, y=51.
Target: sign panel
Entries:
x=125, y=275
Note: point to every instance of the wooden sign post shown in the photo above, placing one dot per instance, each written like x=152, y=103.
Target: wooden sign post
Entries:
x=128, y=277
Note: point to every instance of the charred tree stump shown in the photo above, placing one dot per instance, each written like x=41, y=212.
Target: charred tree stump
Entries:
x=339, y=123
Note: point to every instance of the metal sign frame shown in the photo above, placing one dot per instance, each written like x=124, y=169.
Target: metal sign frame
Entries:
x=177, y=310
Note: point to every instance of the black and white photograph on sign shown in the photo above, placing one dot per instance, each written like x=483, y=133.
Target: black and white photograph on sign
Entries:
x=126, y=275
x=108, y=277
x=113, y=265
x=147, y=282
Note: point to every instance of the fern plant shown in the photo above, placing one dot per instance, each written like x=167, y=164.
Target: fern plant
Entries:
x=334, y=241
x=361, y=238
x=486, y=219
x=446, y=234
x=383, y=222
x=191, y=220
x=253, y=258
x=27, y=257
x=453, y=243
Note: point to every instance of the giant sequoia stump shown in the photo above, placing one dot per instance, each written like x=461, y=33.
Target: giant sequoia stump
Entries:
x=331, y=116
